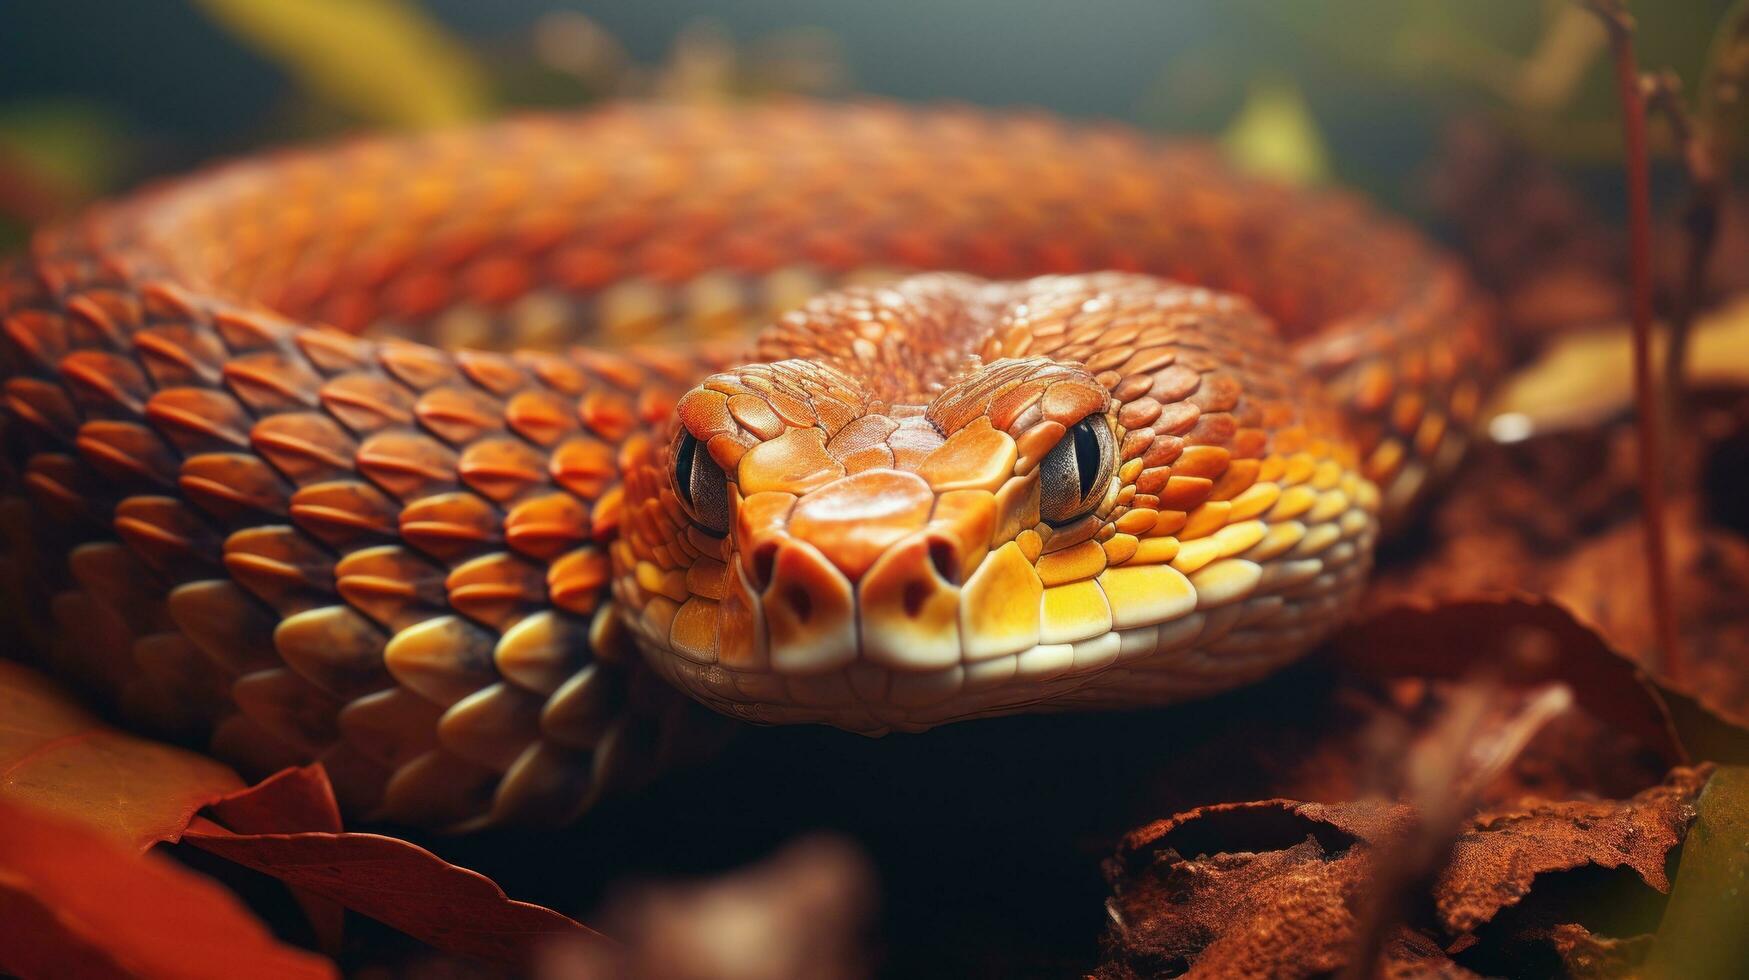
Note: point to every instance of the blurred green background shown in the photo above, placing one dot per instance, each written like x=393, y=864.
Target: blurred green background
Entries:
x=96, y=95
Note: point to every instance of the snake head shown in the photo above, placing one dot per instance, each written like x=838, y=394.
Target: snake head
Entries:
x=799, y=550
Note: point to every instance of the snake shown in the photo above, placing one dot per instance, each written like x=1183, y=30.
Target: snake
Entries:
x=470, y=462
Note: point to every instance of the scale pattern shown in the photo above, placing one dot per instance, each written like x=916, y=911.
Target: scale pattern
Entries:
x=305, y=457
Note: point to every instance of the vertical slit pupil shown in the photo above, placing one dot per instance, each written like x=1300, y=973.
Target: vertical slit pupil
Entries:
x=1087, y=456
x=683, y=467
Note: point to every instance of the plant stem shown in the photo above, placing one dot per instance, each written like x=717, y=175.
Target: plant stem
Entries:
x=1651, y=442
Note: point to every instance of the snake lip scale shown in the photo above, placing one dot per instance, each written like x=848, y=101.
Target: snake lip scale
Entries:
x=438, y=459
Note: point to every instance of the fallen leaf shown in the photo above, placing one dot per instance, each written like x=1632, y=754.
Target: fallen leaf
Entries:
x=1264, y=889
x=388, y=879
x=292, y=801
x=1702, y=933
x=1271, y=888
x=1498, y=859
x=57, y=756
x=76, y=901
x=1529, y=640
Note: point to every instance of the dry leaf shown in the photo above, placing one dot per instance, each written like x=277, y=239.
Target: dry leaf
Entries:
x=1269, y=889
x=77, y=902
x=393, y=881
x=56, y=756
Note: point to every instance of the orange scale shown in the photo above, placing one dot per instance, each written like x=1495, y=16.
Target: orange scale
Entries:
x=546, y=526
x=555, y=372
x=1184, y=492
x=343, y=511
x=450, y=525
x=305, y=446
x=793, y=410
x=604, y=517
x=1406, y=413
x=271, y=381
x=977, y=457
x=739, y=639
x=497, y=373
x=1250, y=443
x=655, y=406
x=1238, y=477
x=367, y=402
x=1069, y=402
x=1010, y=405
x=606, y=413
x=1373, y=386
x=633, y=452
x=708, y=577
x=458, y=414
x=694, y=630
x=704, y=542
x=666, y=554
x=541, y=417
x=416, y=365
x=496, y=590
x=584, y=466
x=1037, y=441
x=755, y=415
x=502, y=468
x=1203, y=461
x=233, y=486
x=795, y=462
x=576, y=582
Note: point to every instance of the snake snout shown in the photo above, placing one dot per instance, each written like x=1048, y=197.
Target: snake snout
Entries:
x=861, y=568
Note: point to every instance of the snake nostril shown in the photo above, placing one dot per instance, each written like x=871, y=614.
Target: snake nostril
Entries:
x=800, y=602
x=764, y=561
x=945, y=557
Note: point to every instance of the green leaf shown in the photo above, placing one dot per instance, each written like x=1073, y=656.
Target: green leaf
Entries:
x=383, y=60
x=1705, y=930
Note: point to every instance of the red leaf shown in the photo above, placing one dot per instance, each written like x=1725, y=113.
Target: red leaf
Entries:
x=75, y=902
x=57, y=756
x=292, y=801
x=393, y=881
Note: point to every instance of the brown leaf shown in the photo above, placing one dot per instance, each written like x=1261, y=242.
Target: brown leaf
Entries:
x=393, y=881
x=1557, y=514
x=1271, y=888
x=76, y=901
x=1498, y=859
x=1263, y=889
x=56, y=756
x=1529, y=640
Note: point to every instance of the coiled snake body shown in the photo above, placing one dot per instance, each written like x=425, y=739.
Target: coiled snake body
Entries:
x=304, y=455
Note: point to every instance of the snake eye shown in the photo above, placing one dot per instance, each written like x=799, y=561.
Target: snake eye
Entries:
x=1075, y=474
x=700, y=484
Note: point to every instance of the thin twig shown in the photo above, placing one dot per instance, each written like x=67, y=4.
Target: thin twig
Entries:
x=1651, y=442
x=1698, y=152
